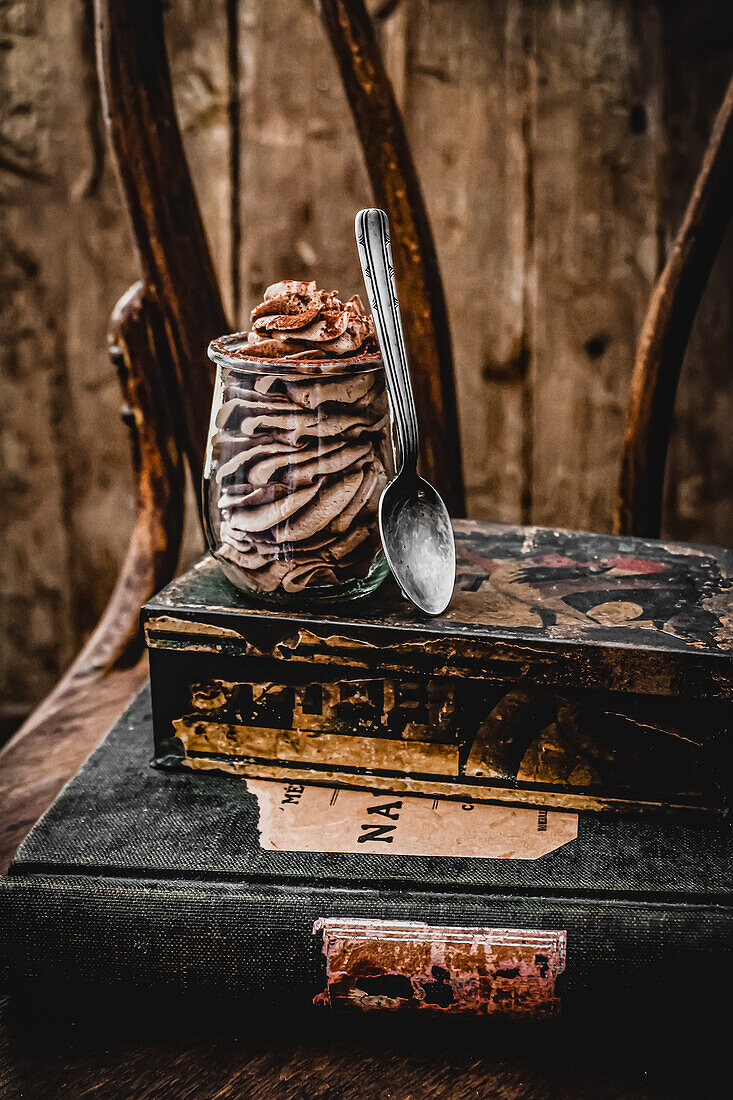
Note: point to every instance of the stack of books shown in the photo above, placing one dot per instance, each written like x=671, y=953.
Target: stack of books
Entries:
x=516, y=809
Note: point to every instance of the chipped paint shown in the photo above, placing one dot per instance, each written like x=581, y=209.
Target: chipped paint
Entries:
x=720, y=606
x=447, y=787
x=334, y=649
x=213, y=695
x=411, y=710
x=172, y=625
x=314, y=747
x=406, y=966
x=502, y=745
x=306, y=643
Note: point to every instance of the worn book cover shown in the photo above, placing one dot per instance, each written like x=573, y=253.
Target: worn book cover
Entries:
x=571, y=671
x=283, y=892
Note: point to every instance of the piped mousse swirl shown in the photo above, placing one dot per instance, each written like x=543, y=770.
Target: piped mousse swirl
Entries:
x=301, y=458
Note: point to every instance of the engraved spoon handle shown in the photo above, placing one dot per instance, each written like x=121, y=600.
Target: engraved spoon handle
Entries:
x=375, y=254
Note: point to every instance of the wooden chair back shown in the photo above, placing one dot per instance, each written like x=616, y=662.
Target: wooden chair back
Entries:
x=178, y=305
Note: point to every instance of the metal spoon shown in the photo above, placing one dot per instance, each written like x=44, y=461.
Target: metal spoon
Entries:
x=413, y=520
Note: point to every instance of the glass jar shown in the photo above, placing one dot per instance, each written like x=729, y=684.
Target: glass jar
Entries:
x=297, y=457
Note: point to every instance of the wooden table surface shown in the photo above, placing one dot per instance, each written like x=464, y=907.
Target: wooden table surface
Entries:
x=62, y=1050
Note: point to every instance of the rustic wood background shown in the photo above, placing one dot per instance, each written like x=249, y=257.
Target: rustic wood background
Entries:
x=556, y=142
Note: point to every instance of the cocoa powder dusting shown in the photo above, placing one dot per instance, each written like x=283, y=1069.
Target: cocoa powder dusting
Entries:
x=296, y=320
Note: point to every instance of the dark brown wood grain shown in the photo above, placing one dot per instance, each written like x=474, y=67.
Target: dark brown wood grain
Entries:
x=139, y=350
x=119, y=1051
x=666, y=331
x=397, y=189
x=164, y=211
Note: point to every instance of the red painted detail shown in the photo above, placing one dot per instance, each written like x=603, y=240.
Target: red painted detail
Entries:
x=558, y=561
x=637, y=565
x=489, y=565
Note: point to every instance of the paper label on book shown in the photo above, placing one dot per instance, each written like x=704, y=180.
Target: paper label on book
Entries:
x=297, y=817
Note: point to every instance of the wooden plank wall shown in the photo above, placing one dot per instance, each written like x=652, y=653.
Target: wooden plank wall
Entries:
x=556, y=142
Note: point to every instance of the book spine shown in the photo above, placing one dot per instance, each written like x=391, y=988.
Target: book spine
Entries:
x=259, y=943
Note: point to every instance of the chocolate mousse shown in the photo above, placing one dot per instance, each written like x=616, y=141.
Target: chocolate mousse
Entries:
x=302, y=447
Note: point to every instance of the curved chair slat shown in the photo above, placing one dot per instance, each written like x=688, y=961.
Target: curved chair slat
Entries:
x=396, y=189
x=139, y=351
x=169, y=231
x=666, y=331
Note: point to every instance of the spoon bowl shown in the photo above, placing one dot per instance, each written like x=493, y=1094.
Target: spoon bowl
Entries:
x=418, y=543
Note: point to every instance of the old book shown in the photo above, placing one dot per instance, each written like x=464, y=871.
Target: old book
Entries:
x=571, y=670
x=147, y=880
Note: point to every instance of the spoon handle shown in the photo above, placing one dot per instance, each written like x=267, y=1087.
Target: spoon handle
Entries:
x=375, y=254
